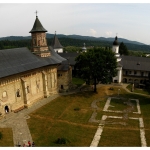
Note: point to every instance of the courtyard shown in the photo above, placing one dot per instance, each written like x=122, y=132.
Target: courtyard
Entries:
x=89, y=119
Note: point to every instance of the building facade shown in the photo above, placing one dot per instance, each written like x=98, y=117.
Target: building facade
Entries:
x=28, y=76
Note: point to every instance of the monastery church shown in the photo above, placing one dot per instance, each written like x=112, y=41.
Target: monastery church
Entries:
x=28, y=76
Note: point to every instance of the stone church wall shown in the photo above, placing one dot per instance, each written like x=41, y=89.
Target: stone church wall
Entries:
x=11, y=94
x=24, y=89
x=64, y=80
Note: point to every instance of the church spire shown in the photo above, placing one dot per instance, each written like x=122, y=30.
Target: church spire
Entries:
x=37, y=27
x=39, y=43
x=55, y=43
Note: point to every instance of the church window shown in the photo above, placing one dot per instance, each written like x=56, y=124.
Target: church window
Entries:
x=18, y=93
x=62, y=87
x=28, y=90
x=135, y=72
x=38, y=84
x=4, y=94
x=34, y=41
x=38, y=42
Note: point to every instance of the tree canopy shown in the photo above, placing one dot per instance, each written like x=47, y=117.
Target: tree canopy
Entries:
x=123, y=50
x=97, y=65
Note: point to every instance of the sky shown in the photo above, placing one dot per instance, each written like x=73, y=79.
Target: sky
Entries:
x=126, y=20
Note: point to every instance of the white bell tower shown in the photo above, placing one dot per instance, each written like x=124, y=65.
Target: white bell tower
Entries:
x=115, y=49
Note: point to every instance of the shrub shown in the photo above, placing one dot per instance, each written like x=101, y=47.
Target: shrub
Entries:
x=111, y=88
x=77, y=109
x=61, y=141
x=1, y=135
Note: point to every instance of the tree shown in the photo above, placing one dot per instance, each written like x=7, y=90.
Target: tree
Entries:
x=98, y=65
x=123, y=49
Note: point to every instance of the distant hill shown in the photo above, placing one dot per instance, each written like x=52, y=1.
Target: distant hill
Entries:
x=78, y=40
x=111, y=39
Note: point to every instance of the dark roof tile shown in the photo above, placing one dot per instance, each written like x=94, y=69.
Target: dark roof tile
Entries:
x=56, y=43
x=37, y=27
x=135, y=63
x=13, y=61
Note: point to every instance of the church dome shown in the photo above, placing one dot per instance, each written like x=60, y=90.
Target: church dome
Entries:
x=116, y=41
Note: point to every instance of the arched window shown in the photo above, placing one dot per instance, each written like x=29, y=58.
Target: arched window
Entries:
x=4, y=94
x=28, y=90
x=18, y=93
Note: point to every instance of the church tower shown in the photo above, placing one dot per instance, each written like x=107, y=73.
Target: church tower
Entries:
x=115, y=49
x=56, y=45
x=39, y=43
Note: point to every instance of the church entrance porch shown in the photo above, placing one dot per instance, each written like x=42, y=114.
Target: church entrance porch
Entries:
x=6, y=109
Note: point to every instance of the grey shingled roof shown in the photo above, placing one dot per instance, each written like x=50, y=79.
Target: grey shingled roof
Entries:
x=70, y=57
x=135, y=63
x=13, y=61
x=37, y=27
x=56, y=43
x=64, y=66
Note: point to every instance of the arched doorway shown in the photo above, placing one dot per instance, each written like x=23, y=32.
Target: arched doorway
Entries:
x=6, y=109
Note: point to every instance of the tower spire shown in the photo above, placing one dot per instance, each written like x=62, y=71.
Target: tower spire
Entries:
x=39, y=43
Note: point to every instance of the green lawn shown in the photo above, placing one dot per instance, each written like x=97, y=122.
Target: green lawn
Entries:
x=67, y=117
x=120, y=138
x=77, y=81
x=7, y=137
x=138, y=90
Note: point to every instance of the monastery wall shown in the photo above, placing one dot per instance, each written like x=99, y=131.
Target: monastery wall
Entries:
x=22, y=90
x=64, y=79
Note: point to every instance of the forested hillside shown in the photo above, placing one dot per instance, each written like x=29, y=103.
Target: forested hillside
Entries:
x=65, y=41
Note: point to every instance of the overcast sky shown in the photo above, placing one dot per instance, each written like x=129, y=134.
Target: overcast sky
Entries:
x=130, y=20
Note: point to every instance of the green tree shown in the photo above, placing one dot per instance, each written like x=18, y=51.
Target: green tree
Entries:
x=97, y=65
x=72, y=49
x=123, y=50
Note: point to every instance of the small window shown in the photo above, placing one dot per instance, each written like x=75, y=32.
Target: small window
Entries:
x=62, y=87
x=18, y=93
x=28, y=90
x=34, y=41
x=4, y=94
x=135, y=72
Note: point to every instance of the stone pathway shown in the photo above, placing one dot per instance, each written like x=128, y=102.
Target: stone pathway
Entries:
x=17, y=121
x=125, y=112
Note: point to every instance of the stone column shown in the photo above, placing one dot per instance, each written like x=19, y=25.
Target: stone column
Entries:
x=25, y=94
x=119, y=74
x=45, y=88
